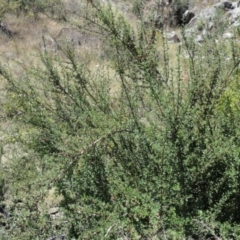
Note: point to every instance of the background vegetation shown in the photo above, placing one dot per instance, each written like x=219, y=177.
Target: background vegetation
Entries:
x=143, y=147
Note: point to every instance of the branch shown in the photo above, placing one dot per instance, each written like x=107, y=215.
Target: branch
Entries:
x=83, y=151
x=109, y=229
x=204, y=225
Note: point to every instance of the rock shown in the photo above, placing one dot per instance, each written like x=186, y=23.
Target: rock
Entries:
x=172, y=37
x=235, y=4
x=210, y=26
x=234, y=15
x=211, y=18
x=236, y=24
x=228, y=5
x=204, y=33
x=219, y=5
x=228, y=35
x=189, y=32
x=53, y=210
x=208, y=14
x=55, y=214
x=199, y=39
x=224, y=5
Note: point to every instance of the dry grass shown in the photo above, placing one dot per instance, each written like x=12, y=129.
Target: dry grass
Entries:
x=24, y=46
x=52, y=199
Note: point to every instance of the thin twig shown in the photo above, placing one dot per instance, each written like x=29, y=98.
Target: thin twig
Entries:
x=204, y=225
x=83, y=151
x=109, y=229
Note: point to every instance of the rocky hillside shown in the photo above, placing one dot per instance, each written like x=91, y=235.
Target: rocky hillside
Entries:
x=201, y=19
x=219, y=20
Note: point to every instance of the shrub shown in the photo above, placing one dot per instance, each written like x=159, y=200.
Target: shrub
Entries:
x=156, y=159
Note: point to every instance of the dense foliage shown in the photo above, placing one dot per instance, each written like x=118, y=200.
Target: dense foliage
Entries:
x=157, y=158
